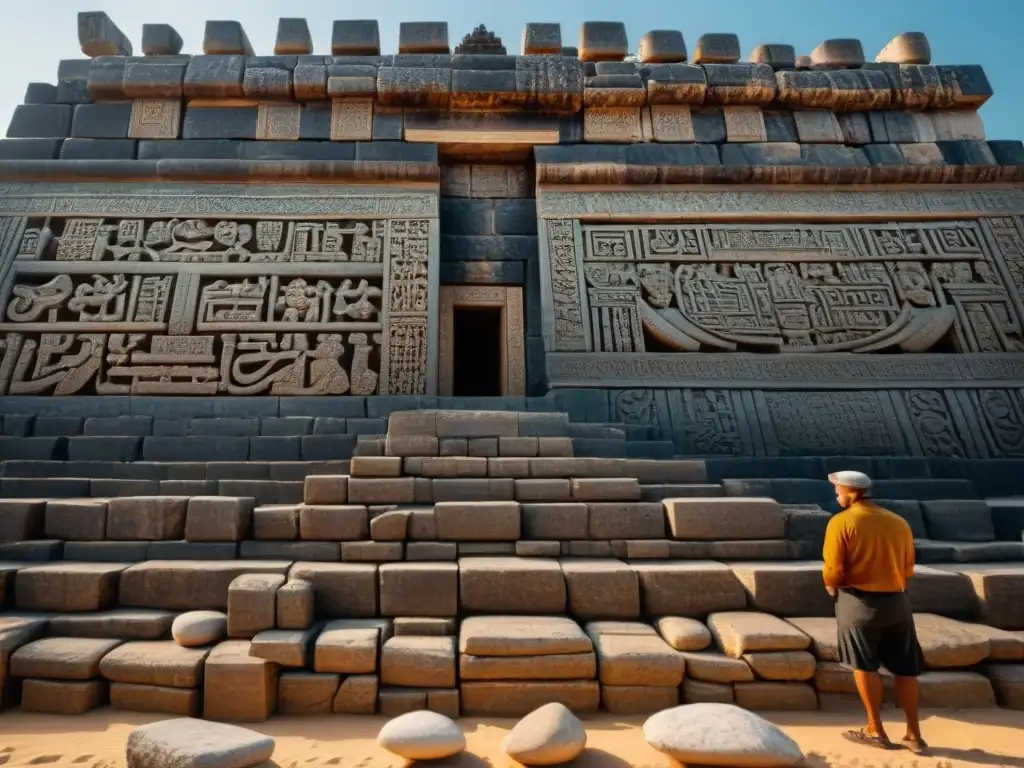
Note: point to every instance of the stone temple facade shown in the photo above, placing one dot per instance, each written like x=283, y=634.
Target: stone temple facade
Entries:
x=399, y=341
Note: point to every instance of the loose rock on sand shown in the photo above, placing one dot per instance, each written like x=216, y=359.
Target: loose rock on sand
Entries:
x=720, y=734
x=189, y=743
x=549, y=735
x=422, y=736
x=199, y=628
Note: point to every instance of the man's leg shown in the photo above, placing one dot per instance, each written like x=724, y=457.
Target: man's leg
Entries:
x=869, y=687
x=908, y=693
x=901, y=653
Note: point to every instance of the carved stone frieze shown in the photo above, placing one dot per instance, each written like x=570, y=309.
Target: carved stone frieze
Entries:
x=278, y=122
x=702, y=205
x=785, y=371
x=806, y=288
x=157, y=306
x=236, y=201
x=570, y=328
x=513, y=353
x=352, y=120
x=155, y=119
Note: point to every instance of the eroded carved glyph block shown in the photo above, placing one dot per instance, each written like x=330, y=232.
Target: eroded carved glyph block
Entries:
x=352, y=120
x=155, y=119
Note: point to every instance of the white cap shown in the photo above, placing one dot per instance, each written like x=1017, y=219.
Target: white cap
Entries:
x=850, y=479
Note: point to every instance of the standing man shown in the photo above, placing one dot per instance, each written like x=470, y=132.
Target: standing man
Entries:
x=869, y=557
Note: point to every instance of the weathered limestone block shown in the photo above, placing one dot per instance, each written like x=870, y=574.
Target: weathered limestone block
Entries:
x=61, y=658
x=823, y=635
x=226, y=38
x=808, y=90
x=391, y=490
x=357, y=695
x=67, y=586
x=630, y=653
x=76, y=519
x=744, y=124
x=662, y=46
x=956, y=690
x=414, y=87
x=859, y=89
x=287, y=647
x=348, y=647
x=605, y=489
x=839, y=53
x=185, y=702
x=326, y=489
x=944, y=591
x=714, y=667
x=422, y=589
x=776, y=697
x=62, y=697
x=711, y=519
x=417, y=37
x=603, y=41
x=186, y=585
x=355, y=38
x=293, y=38
x=746, y=84
x=785, y=589
x=340, y=589
x=160, y=40
x=717, y=48
x=997, y=589
x=625, y=520
x=684, y=634
x=907, y=48
x=789, y=666
x=425, y=626
x=218, y=518
x=570, y=666
x=522, y=636
x=551, y=521
x=612, y=125
x=477, y=521
x=1003, y=645
x=252, y=604
x=333, y=523
x=693, y=589
x=948, y=643
x=418, y=662
x=146, y=518
x=1008, y=683
x=124, y=623
x=519, y=698
x=511, y=585
x=777, y=55
x=696, y=692
x=237, y=686
x=161, y=663
x=601, y=589
x=676, y=84
x=739, y=633
x=99, y=36
x=306, y=693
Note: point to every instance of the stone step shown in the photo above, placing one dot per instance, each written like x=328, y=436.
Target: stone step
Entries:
x=166, y=470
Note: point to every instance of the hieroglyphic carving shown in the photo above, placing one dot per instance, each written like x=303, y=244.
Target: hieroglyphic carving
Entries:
x=785, y=371
x=212, y=241
x=772, y=288
x=612, y=124
x=212, y=200
x=932, y=423
x=636, y=406
x=711, y=424
x=831, y=423
x=155, y=119
x=137, y=306
x=1002, y=414
x=352, y=120
x=404, y=358
x=1005, y=233
x=697, y=205
x=513, y=354
x=278, y=122
x=567, y=303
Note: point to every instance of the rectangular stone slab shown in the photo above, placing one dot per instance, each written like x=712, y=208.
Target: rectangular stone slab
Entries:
x=61, y=658
x=418, y=662
x=306, y=693
x=511, y=585
x=147, y=518
x=218, y=518
x=567, y=666
x=520, y=697
x=638, y=699
x=694, y=588
x=696, y=691
x=714, y=667
x=123, y=623
x=601, y=588
x=742, y=632
x=184, y=702
x=252, y=603
x=340, y=589
x=823, y=634
x=782, y=697
x=346, y=648
x=629, y=655
x=287, y=647
x=62, y=697
x=477, y=521
x=67, y=587
x=785, y=589
x=237, y=686
x=187, y=585
x=710, y=519
x=357, y=695
x=162, y=663
x=419, y=589
x=76, y=519
x=997, y=591
x=189, y=743
x=522, y=636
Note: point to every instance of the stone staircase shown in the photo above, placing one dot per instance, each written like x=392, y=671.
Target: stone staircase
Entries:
x=471, y=562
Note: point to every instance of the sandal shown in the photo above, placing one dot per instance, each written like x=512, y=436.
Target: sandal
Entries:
x=917, y=746
x=863, y=737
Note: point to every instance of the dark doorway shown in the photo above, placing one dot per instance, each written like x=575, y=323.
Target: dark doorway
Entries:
x=477, y=352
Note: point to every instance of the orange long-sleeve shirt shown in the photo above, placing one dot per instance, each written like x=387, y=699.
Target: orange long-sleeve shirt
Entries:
x=868, y=548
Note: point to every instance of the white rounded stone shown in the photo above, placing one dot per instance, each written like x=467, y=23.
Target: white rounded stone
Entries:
x=422, y=736
x=720, y=734
x=550, y=735
x=199, y=628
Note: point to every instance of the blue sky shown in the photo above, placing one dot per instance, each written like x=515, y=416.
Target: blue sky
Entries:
x=35, y=36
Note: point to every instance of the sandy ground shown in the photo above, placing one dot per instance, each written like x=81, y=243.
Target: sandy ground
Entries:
x=975, y=738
